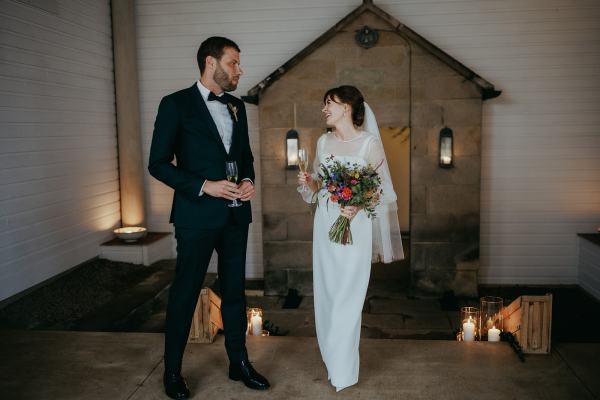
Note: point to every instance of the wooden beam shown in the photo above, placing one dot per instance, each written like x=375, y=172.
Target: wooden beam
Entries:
x=131, y=171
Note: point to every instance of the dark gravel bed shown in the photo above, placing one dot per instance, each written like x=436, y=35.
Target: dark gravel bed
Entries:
x=72, y=295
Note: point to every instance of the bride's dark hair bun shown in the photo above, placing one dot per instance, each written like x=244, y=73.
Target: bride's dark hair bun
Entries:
x=353, y=97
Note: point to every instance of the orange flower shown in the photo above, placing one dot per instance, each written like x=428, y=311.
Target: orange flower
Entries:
x=346, y=193
x=334, y=198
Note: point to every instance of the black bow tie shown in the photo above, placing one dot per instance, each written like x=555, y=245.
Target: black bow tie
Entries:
x=220, y=99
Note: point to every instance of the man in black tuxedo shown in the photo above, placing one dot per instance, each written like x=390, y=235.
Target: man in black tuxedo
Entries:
x=203, y=127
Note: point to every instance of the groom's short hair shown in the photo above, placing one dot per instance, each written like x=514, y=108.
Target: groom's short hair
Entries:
x=213, y=46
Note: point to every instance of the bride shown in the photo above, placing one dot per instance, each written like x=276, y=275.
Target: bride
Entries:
x=341, y=272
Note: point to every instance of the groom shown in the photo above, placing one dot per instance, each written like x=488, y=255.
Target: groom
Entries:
x=203, y=127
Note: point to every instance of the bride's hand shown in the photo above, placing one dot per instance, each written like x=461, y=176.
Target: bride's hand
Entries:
x=349, y=211
x=304, y=178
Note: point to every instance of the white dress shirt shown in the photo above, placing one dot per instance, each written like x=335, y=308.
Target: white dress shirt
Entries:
x=220, y=115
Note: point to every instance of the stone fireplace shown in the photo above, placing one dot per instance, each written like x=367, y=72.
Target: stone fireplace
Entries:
x=415, y=90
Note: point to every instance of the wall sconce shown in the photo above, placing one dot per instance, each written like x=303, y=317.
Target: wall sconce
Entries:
x=446, y=148
x=291, y=149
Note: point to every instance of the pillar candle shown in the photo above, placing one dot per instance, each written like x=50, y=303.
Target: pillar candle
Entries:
x=494, y=334
x=469, y=330
x=256, y=322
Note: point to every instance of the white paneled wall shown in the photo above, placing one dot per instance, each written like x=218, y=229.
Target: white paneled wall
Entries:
x=541, y=137
x=589, y=266
x=59, y=189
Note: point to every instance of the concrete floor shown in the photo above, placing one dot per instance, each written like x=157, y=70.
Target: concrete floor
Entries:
x=88, y=365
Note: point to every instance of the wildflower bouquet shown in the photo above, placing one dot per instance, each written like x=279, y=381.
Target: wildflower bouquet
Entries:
x=350, y=185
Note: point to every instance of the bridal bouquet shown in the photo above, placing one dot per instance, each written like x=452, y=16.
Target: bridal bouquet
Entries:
x=350, y=185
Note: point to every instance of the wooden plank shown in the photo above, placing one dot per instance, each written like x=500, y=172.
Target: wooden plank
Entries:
x=512, y=317
x=548, y=323
x=216, y=319
x=535, y=326
x=524, y=337
x=529, y=318
x=206, y=320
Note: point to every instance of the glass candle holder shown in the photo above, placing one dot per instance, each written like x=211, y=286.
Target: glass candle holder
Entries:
x=255, y=321
x=469, y=317
x=490, y=321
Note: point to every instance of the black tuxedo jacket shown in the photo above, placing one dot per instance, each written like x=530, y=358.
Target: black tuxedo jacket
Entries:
x=185, y=130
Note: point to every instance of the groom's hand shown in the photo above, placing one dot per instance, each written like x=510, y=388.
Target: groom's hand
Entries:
x=247, y=190
x=224, y=189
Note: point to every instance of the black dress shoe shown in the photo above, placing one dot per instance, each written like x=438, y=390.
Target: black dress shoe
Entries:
x=245, y=373
x=175, y=386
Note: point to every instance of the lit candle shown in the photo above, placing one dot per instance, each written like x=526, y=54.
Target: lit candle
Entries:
x=494, y=334
x=469, y=330
x=256, y=322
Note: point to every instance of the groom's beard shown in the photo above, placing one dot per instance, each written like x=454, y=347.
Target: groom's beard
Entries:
x=223, y=80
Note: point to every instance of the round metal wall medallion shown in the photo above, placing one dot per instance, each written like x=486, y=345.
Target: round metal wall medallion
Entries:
x=367, y=37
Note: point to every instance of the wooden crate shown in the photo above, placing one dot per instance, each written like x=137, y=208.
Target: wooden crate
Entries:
x=529, y=318
x=207, y=318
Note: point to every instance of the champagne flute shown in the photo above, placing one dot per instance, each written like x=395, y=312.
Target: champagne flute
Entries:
x=232, y=176
x=303, y=164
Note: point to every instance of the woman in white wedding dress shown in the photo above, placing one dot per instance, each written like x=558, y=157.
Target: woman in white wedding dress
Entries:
x=341, y=272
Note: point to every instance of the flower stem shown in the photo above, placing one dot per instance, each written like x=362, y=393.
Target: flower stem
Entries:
x=340, y=231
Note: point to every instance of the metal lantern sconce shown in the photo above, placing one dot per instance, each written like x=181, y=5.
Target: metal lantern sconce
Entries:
x=291, y=149
x=446, y=148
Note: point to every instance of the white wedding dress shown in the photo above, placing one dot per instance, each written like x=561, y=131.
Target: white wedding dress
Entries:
x=341, y=272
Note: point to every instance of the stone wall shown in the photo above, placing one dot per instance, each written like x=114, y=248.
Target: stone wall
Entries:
x=444, y=204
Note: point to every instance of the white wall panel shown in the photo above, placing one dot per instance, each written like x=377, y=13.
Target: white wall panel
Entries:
x=589, y=267
x=59, y=188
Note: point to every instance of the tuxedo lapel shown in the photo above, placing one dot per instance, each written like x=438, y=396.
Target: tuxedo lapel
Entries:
x=200, y=105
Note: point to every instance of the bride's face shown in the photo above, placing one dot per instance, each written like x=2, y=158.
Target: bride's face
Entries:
x=335, y=111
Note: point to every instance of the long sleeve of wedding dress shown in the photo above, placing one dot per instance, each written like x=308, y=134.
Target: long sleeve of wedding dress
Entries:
x=307, y=194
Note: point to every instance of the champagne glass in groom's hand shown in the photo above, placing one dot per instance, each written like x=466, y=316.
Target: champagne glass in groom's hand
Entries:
x=232, y=176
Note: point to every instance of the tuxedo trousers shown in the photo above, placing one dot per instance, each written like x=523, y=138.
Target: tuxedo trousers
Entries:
x=194, y=250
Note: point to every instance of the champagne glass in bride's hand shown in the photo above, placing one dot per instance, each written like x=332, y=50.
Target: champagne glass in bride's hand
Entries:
x=232, y=176
x=303, y=164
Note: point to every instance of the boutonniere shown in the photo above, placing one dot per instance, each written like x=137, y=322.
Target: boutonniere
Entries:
x=233, y=109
